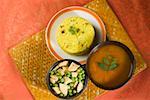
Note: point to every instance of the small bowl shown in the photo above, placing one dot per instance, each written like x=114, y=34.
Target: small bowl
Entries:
x=131, y=56
x=48, y=79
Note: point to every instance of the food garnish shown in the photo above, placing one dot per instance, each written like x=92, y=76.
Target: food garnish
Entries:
x=108, y=63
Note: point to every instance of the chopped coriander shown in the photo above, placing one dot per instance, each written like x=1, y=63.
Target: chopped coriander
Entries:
x=113, y=66
x=108, y=63
x=102, y=66
x=73, y=30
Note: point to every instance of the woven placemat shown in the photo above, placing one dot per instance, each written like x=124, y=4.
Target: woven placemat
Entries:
x=33, y=58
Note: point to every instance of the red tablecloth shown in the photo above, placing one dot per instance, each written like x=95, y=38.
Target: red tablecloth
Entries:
x=21, y=18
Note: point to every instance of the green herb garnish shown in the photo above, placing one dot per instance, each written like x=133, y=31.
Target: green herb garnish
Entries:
x=113, y=66
x=102, y=66
x=73, y=30
x=108, y=63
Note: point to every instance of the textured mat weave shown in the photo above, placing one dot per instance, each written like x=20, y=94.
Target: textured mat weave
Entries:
x=33, y=59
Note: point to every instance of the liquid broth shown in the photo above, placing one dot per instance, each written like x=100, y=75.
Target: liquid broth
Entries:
x=112, y=78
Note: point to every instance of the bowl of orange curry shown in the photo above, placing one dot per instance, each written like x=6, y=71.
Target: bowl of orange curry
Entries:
x=110, y=65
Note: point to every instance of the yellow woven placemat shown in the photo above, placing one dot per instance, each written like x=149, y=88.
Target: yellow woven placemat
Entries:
x=33, y=59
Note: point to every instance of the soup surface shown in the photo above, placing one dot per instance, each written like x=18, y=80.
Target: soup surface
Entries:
x=109, y=66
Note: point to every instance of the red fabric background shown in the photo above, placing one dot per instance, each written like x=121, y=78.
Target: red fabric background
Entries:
x=21, y=18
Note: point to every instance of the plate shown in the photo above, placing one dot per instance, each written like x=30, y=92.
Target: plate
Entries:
x=56, y=20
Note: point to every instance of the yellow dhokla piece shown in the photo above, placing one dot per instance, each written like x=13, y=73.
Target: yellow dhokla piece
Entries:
x=75, y=35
